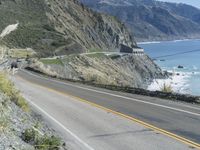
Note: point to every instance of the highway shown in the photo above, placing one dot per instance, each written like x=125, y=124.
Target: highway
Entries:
x=104, y=119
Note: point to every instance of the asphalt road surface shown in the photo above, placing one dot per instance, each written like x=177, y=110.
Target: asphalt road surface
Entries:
x=100, y=119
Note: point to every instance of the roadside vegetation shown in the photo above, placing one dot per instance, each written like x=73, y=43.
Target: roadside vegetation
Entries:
x=94, y=50
x=21, y=53
x=96, y=55
x=16, y=53
x=166, y=88
x=55, y=61
x=41, y=142
x=20, y=129
x=7, y=87
x=3, y=116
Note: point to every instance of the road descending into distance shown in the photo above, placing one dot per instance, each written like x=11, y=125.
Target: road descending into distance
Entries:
x=99, y=119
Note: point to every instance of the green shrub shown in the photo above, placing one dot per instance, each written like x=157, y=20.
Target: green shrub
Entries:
x=48, y=143
x=41, y=142
x=30, y=135
x=115, y=56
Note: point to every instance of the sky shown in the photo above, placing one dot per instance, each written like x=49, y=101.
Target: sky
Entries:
x=195, y=3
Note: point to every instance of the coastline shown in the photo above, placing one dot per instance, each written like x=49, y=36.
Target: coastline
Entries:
x=179, y=82
x=188, y=78
x=157, y=42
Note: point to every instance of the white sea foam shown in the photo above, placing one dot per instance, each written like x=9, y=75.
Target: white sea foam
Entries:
x=153, y=42
x=186, y=40
x=181, y=40
x=194, y=68
x=157, y=42
x=178, y=81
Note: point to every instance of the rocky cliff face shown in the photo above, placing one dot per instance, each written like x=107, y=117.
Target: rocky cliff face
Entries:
x=60, y=27
x=57, y=27
x=128, y=70
x=153, y=20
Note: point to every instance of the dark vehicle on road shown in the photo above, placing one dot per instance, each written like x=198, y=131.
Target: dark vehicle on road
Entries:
x=14, y=64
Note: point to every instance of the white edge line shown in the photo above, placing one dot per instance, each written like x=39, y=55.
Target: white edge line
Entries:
x=119, y=96
x=60, y=124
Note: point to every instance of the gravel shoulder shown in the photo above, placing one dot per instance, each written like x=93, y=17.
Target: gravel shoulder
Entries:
x=14, y=122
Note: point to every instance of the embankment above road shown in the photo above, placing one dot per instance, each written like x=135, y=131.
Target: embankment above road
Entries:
x=119, y=70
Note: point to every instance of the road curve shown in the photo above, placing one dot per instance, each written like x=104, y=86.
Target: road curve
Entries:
x=180, y=119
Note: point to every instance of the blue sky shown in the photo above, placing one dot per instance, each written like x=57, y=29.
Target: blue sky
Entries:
x=195, y=3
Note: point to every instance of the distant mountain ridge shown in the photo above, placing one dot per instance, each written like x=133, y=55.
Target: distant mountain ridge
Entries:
x=56, y=27
x=152, y=20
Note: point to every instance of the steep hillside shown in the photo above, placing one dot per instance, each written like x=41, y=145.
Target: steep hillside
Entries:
x=98, y=68
x=153, y=20
x=60, y=27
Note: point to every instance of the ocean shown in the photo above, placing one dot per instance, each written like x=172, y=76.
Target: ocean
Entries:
x=170, y=55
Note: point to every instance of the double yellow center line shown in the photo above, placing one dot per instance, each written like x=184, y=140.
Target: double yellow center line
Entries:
x=147, y=125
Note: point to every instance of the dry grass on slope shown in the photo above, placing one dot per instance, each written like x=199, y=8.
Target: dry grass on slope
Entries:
x=166, y=88
x=7, y=87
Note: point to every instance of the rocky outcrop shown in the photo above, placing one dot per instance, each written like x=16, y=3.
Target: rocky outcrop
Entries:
x=152, y=20
x=57, y=27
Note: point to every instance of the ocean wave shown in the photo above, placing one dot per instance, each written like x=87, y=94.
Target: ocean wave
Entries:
x=153, y=42
x=181, y=40
x=179, y=82
x=184, y=73
x=186, y=40
x=194, y=67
